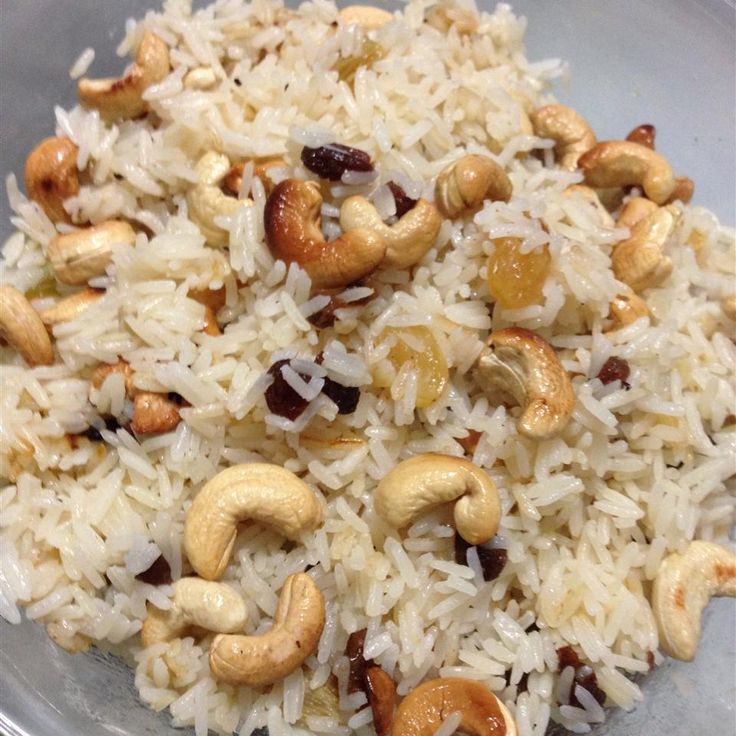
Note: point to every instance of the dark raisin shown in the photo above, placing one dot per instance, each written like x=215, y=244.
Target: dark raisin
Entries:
x=614, y=369
x=112, y=424
x=404, y=202
x=175, y=398
x=92, y=434
x=334, y=159
x=650, y=659
x=281, y=398
x=346, y=397
x=492, y=561
x=326, y=316
x=354, y=653
x=158, y=574
x=585, y=677
x=567, y=657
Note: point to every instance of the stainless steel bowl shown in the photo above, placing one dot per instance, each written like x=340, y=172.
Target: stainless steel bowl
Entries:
x=666, y=62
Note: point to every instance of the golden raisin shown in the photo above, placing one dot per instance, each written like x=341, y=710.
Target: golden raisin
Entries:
x=44, y=288
x=348, y=66
x=516, y=279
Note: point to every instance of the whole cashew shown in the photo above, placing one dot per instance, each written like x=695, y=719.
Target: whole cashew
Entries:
x=78, y=256
x=263, y=660
x=21, y=326
x=212, y=606
x=626, y=309
x=423, y=710
x=407, y=240
x=624, y=163
x=571, y=132
x=69, y=307
x=122, y=98
x=51, y=176
x=465, y=184
x=682, y=589
x=293, y=234
x=419, y=483
x=639, y=260
x=634, y=211
x=268, y=494
x=368, y=17
x=206, y=200
x=520, y=362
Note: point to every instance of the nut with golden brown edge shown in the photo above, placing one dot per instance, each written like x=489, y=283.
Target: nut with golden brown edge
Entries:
x=728, y=306
x=407, y=240
x=684, y=189
x=626, y=309
x=623, y=163
x=683, y=586
x=51, y=176
x=23, y=329
x=292, y=223
x=639, y=261
x=465, y=184
x=424, y=709
x=644, y=135
x=154, y=413
x=122, y=97
x=526, y=366
x=234, y=177
x=262, y=660
x=265, y=493
x=100, y=374
x=78, y=256
x=70, y=307
x=212, y=606
x=368, y=17
x=635, y=210
x=422, y=482
x=571, y=132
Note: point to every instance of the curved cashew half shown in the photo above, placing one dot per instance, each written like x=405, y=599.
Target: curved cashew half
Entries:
x=571, y=132
x=424, y=481
x=70, y=307
x=122, y=97
x=465, y=184
x=51, y=176
x=639, y=260
x=293, y=234
x=624, y=163
x=78, y=256
x=682, y=589
x=21, y=326
x=423, y=710
x=212, y=606
x=520, y=362
x=263, y=660
x=407, y=240
x=265, y=493
x=368, y=17
x=626, y=309
x=635, y=210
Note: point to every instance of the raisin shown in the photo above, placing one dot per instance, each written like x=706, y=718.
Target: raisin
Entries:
x=614, y=369
x=354, y=653
x=650, y=659
x=92, y=434
x=492, y=561
x=346, y=397
x=175, y=398
x=334, y=159
x=158, y=574
x=516, y=279
x=643, y=135
x=326, y=316
x=112, y=424
x=404, y=202
x=567, y=657
x=281, y=398
x=380, y=690
x=586, y=678
x=347, y=67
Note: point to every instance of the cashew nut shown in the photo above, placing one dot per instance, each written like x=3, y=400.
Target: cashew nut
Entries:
x=268, y=494
x=154, y=413
x=23, y=329
x=78, y=256
x=465, y=184
x=212, y=606
x=51, y=176
x=626, y=309
x=728, y=306
x=644, y=135
x=70, y=307
x=424, y=481
x=292, y=223
x=122, y=97
x=368, y=17
x=206, y=200
x=624, y=163
x=684, y=190
x=523, y=364
x=423, y=710
x=635, y=210
x=571, y=132
x=683, y=586
x=234, y=177
x=407, y=240
x=639, y=260
x=263, y=660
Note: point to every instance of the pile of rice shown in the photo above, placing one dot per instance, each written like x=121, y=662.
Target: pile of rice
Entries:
x=587, y=516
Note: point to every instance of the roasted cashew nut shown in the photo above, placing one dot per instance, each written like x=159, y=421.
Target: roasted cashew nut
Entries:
x=368, y=17
x=571, y=132
x=154, y=413
x=625, y=309
x=624, y=163
x=526, y=366
x=268, y=494
x=683, y=586
x=23, y=329
x=263, y=660
x=51, y=176
x=634, y=211
x=407, y=240
x=212, y=606
x=422, y=482
x=423, y=710
x=684, y=190
x=69, y=307
x=78, y=256
x=122, y=98
x=465, y=184
x=292, y=223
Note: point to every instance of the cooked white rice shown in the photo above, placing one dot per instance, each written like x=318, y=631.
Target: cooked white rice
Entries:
x=587, y=516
